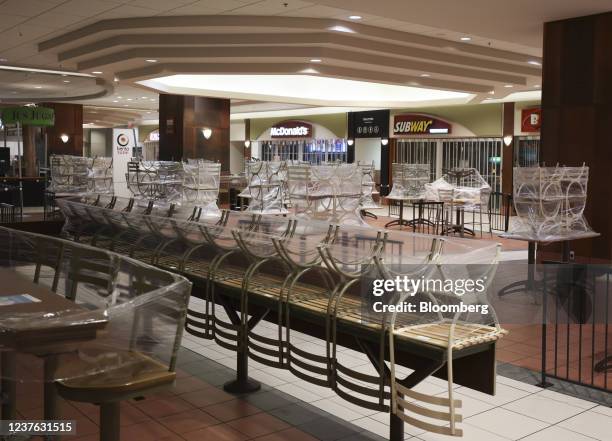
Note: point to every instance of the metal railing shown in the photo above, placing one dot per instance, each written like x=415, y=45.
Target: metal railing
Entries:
x=576, y=327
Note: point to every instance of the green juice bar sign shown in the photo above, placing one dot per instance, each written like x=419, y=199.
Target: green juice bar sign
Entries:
x=29, y=116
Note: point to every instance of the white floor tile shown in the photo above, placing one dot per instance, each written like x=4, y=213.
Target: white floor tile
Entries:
x=543, y=409
x=568, y=399
x=383, y=417
x=471, y=406
x=589, y=423
x=470, y=433
x=604, y=410
x=266, y=378
x=504, y=394
x=338, y=410
x=298, y=392
x=556, y=433
x=371, y=425
x=506, y=424
x=518, y=384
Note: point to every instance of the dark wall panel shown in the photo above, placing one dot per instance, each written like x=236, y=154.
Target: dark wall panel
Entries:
x=181, y=120
x=577, y=115
x=69, y=121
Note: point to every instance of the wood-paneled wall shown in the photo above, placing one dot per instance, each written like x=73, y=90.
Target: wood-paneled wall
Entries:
x=181, y=120
x=69, y=121
x=577, y=115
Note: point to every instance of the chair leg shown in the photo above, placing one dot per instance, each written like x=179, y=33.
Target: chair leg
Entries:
x=109, y=421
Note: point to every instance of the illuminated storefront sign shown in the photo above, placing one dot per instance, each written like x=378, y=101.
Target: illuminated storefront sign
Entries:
x=531, y=120
x=418, y=124
x=291, y=129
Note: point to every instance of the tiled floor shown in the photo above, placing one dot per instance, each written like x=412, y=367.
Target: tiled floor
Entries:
x=518, y=411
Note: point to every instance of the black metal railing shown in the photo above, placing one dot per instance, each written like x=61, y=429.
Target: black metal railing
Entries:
x=576, y=327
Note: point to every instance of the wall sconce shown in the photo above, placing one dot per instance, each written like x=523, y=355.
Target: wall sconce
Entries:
x=350, y=142
x=384, y=141
x=64, y=138
x=247, y=143
x=507, y=140
x=207, y=132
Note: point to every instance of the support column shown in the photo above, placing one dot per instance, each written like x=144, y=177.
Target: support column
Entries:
x=68, y=121
x=577, y=115
x=508, y=150
x=29, y=151
x=182, y=120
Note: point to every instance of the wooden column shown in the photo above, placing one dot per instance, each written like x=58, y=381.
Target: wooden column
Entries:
x=68, y=121
x=29, y=151
x=577, y=115
x=508, y=155
x=181, y=121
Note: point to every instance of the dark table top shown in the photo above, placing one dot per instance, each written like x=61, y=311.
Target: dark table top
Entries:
x=23, y=326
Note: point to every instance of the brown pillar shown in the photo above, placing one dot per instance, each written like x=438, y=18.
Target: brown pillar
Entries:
x=181, y=123
x=247, y=136
x=508, y=155
x=68, y=121
x=29, y=151
x=577, y=114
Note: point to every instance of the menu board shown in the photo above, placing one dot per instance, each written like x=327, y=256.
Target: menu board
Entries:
x=369, y=124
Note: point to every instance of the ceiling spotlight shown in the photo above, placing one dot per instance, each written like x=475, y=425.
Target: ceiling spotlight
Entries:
x=66, y=81
x=37, y=87
x=65, y=138
x=466, y=39
x=508, y=86
x=384, y=141
x=425, y=75
x=207, y=132
x=97, y=72
x=315, y=60
x=247, y=143
x=355, y=17
x=115, y=101
x=143, y=97
x=151, y=60
x=130, y=99
x=350, y=142
x=534, y=63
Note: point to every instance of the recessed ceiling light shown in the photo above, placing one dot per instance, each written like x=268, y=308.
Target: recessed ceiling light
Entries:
x=3, y=60
x=466, y=39
x=537, y=86
x=425, y=75
x=534, y=63
x=119, y=96
x=143, y=97
x=151, y=60
x=66, y=81
x=125, y=105
x=115, y=101
x=129, y=99
x=355, y=17
x=116, y=80
x=37, y=87
x=97, y=72
x=508, y=86
x=315, y=60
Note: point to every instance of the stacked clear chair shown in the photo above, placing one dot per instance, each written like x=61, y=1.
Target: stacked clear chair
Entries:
x=550, y=202
x=201, y=182
x=409, y=180
x=265, y=187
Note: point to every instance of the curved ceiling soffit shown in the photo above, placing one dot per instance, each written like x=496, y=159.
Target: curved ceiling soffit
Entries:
x=106, y=89
x=281, y=45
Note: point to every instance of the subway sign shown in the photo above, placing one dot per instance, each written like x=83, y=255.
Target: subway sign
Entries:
x=291, y=129
x=419, y=124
